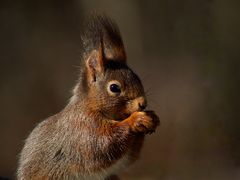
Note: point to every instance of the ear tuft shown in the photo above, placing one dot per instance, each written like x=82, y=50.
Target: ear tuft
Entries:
x=103, y=32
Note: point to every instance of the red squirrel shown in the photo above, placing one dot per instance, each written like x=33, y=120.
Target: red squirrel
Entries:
x=102, y=128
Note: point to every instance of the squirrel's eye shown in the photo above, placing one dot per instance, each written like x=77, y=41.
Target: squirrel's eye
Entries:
x=115, y=88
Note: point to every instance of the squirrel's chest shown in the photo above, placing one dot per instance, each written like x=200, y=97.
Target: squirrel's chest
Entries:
x=119, y=165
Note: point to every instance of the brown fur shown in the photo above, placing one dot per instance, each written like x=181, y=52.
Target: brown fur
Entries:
x=97, y=133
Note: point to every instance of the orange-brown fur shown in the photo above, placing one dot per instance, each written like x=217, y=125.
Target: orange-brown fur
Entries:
x=100, y=131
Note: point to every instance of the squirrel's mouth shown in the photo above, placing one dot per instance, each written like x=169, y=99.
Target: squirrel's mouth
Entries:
x=123, y=116
x=115, y=116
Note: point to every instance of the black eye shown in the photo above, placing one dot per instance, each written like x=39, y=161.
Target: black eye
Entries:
x=115, y=88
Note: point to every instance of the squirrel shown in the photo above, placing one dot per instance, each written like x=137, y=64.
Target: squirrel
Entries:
x=102, y=128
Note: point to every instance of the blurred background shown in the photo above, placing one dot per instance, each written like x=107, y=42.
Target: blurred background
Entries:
x=186, y=52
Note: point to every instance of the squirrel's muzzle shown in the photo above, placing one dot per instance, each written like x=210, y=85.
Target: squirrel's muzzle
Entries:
x=142, y=103
x=137, y=104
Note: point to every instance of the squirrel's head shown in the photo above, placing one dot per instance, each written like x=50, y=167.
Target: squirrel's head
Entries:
x=107, y=84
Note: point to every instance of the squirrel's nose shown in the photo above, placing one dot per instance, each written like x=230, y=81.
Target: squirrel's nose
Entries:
x=142, y=103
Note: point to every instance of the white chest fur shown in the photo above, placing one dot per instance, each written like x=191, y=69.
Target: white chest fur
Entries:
x=115, y=168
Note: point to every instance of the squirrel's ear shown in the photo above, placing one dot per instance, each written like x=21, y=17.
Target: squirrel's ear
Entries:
x=114, y=51
x=94, y=64
x=102, y=32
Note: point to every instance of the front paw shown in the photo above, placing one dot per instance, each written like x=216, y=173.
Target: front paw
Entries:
x=144, y=122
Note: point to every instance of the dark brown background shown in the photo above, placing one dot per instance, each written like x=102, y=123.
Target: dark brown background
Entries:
x=186, y=52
